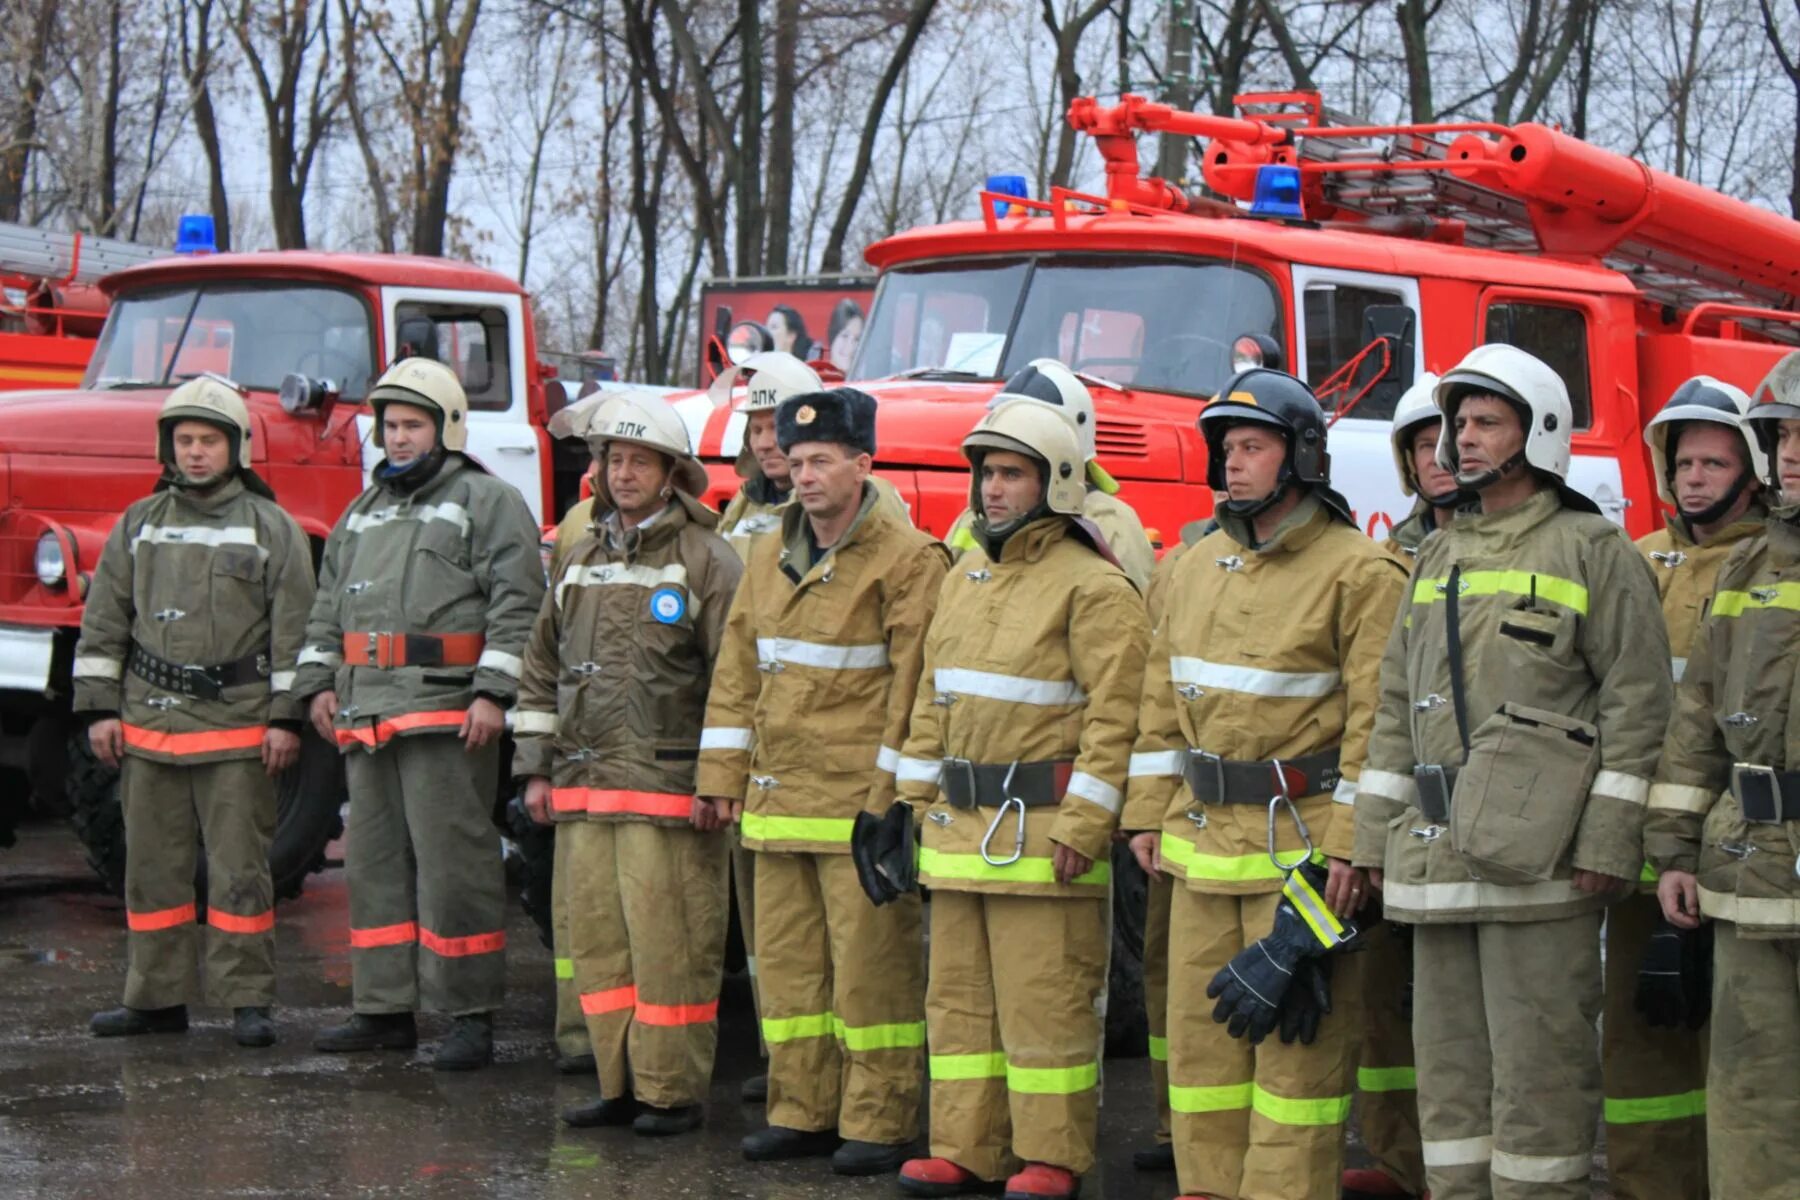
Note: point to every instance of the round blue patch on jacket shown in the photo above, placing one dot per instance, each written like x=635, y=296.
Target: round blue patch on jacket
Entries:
x=667, y=605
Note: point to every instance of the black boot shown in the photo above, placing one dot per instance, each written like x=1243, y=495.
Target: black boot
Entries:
x=620, y=1110
x=252, y=1026
x=368, y=1031
x=666, y=1122
x=575, y=1064
x=869, y=1158
x=778, y=1142
x=130, y=1022
x=755, y=1090
x=469, y=1044
x=1160, y=1157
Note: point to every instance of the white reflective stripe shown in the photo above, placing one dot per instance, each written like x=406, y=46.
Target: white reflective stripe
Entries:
x=1681, y=797
x=1095, y=791
x=822, y=654
x=282, y=681
x=454, y=514
x=1633, y=789
x=1155, y=762
x=510, y=665
x=1458, y=1152
x=1389, y=785
x=526, y=721
x=1344, y=792
x=1678, y=667
x=1764, y=911
x=1543, y=1168
x=97, y=666
x=616, y=574
x=1252, y=681
x=887, y=759
x=918, y=770
x=1466, y=896
x=724, y=738
x=1017, y=688
x=197, y=535
x=313, y=655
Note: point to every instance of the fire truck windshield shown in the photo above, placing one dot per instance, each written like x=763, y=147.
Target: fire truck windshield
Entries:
x=1163, y=325
x=255, y=334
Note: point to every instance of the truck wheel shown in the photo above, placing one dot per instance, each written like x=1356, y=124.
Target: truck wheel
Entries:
x=1127, y=1023
x=309, y=798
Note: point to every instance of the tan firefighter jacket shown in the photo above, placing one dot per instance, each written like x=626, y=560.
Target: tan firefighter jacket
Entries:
x=1735, y=706
x=1567, y=678
x=456, y=560
x=616, y=672
x=816, y=678
x=1403, y=540
x=219, y=581
x=576, y=524
x=1261, y=654
x=1035, y=660
x=1116, y=520
x=757, y=506
x=1686, y=572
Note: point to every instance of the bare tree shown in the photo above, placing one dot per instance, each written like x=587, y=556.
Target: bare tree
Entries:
x=1067, y=29
x=288, y=51
x=198, y=62
x=21, y=138
x=1789, y=57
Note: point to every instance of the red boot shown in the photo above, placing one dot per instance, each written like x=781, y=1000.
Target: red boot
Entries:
x=940, y=1177
x=1041, y=1181
x=1370, y=1183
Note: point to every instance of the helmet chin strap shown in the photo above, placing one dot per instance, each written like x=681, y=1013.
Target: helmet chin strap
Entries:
x=1717, y=508
x=179, y=478
x=1454, y=498
x=1491, y=476
x=1255, y=508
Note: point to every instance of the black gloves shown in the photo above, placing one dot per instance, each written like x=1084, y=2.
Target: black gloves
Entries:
x=1674, y=983
x=886, y=853
x=1308, y=1001
x=1256, y=988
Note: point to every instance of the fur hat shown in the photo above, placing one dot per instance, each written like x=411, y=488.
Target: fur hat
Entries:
x=843, y=415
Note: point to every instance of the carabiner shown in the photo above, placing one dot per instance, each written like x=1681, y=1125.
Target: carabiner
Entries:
x=1280, y=798
x=1005, y=806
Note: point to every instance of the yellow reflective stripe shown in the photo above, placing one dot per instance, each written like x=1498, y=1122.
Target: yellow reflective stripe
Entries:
x=1224, y=1097
x=1333, y=1110
x=1553, y=588
x=1052, y=1081
x=963, y=538
x=902, y=1036
x=1230, y=868
x=1648, y=874
x=1656, y=1108
x=565, y=968
x=968, y=1066
x=1775, y=595
x=1312, y=909
x=1387, y=1079
x=787, y=1029
x=1026, y=870
x=762, y=827
x=1159, y=1048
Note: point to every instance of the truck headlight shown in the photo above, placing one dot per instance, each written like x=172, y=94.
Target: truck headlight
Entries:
x=52, y=565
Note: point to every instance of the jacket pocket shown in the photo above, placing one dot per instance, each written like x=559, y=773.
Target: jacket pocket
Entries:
x=1520, y=796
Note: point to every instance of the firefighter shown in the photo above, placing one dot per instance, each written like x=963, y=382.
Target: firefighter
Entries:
x=607, y=730
x=1047, y=381
x=427, y=592
x=1414, y=436
x=1261, y=678
x=1523, y=697
x=185, y=671
x=1708, y=470
x=808, y=708
x=1016, y=755
x=1724, y=826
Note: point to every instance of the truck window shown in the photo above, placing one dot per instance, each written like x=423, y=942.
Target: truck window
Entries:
x=1555, y=334
x=1333, y=315
x=470, y=339
x=949, y=318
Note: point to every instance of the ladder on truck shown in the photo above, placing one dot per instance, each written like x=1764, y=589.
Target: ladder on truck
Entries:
x=28, y=254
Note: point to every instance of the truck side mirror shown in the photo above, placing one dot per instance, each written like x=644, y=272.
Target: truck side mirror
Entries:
x=1395, y=324
x=300, y=395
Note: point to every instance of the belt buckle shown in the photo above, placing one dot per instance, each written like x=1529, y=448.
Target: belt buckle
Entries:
x=1217, y=762
x=1758, y=792
x=1433, y=783
x=967, y=767
x=197, y=683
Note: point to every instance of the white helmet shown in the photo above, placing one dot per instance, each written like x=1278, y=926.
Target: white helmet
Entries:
x=769, y=378
x=1026, y=427
x=642, y=419
x=1046, y=381
x=428, y=384
x=1701, y=398
x=1529, y=384
x=210, y=398
x=1417, y=407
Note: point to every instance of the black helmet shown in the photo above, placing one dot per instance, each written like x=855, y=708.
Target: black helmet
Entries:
x=1266, y=397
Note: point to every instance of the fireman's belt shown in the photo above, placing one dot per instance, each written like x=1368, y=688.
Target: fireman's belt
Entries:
x=1766, y=796
x=1436, y=783
x=967, y=784
x=1215, y=780
x=412, y=649
x=190, y=679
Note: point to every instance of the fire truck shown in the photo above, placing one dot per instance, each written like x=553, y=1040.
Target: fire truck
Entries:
x=51, y=308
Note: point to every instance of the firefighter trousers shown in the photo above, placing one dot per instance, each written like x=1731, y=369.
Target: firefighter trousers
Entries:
x=1508, y=1057
x=648, y=906
x=1253, y=1122
x=168, y=811
x=1655, y=1078
x=743, y=886
x=1753, y=1101
x=571, y=1025
x=427, y=882
x=1156, y=994
x=1012, y=1008
x=843, y=995
x=1387, y=1086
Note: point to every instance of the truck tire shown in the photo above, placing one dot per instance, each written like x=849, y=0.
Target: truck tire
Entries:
x=1127, y=1022
x=309, y=799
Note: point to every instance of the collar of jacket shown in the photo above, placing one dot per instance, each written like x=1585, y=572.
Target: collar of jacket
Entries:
x=1501, y=531
x=760, y=489
x=211, y=501
x=1752, y=522
x=452, y=464
x=796, y=534
x=1296, y=531
x=1783, y=534
x=1030, y=544
x=629, y=543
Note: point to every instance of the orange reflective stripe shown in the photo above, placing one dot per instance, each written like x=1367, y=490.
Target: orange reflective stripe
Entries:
x=384, y=935
x=205, y=741
x=610, y=1000
x=618, y=800
x=167, y=918
x=462, y=947
x=262, y=922
x=381, y=731
x=677, y=1014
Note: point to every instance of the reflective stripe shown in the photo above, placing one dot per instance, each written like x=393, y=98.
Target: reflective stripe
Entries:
x=1681, y=797
x=1095, y=791
x=1770, y=912
x=610, y=1000
x=621, y=575
x=462, y=947
x=1633, y=789
x=763, y=828
x=226, y=922
x=1224, y=1097
x=887, y=759
x=1543, y=1168
x=1312, y=908
x=1333, y=1110
x=1252, y=681
x=1018, y=689
x=1151, y=763
x=904, y=1035
x=977, y=869
x=1052, y=1081
x=776, y=1030
x=677, y=1014
x=967, y=1066
x=509, y=665
x=164, y=918
x=1776, y=595
x=565, y=968
x=196, y=535
x=454, y=514
x=1472, y=894
x=963, y=538
x=1389, y=785
x=381, y=731
x=98, y=666
x=1458, y=1152
x=1646, y=1109
x=723, y=738
x=313, y=656
x=282, y=681
x=527, y=723
x=1677, y=668
x=1387, y=1079
x=1230, y=868
x=1648, y=874
x=384, y=935
x=1159, y=1049
x=1344, y=792
x=918, y=770
x=1553, y=588
x=205, y=741
x=823, y=655
x=615, y=801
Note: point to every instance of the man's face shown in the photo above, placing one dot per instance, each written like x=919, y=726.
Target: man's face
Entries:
x=408, y=433
x=1433, y=480
x=1254, y=455
x=1787, y=458
x=1011, y=486
x=759, y=435
x=202, y=450
x=636, y=477
x=1488, y=433
x=828, y=477
x=1709, y=458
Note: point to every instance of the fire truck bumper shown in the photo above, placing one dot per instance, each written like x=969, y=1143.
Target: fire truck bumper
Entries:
x=25, y=655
